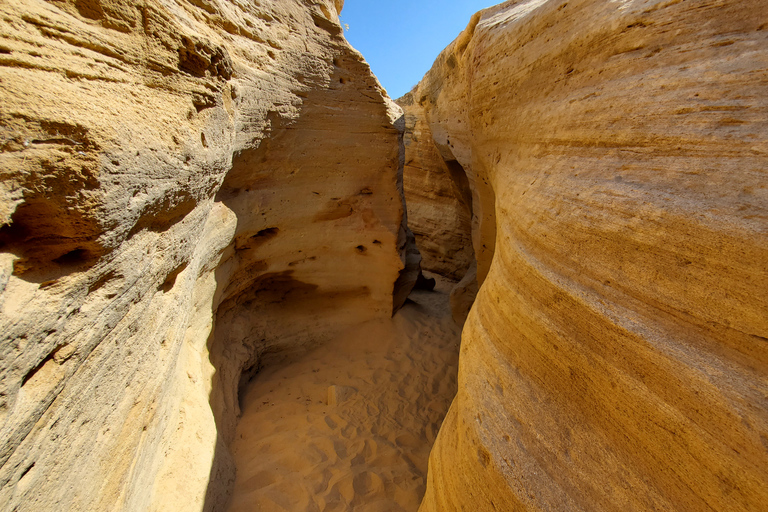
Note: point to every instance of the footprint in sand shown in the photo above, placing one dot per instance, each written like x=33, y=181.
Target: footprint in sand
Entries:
x=408, y=441
x=331, y=423
x=366, y=483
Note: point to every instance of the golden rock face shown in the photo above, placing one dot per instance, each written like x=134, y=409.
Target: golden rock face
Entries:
x=188, y=189
x=616, y=357
x=192, y=189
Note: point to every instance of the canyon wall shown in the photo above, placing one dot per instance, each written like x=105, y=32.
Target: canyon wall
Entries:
x=616, y=357
x=190, y=189
x=438, y=197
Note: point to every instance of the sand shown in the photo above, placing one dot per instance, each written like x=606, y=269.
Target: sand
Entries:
x=349, y=426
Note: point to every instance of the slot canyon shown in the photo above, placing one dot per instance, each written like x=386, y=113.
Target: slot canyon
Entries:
x=235, y=275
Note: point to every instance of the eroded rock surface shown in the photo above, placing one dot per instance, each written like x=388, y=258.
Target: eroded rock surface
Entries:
x=188, y=189
x=438, y=198
x=616, y=356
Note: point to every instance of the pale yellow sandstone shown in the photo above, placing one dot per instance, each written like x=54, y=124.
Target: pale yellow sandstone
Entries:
x=616, y=356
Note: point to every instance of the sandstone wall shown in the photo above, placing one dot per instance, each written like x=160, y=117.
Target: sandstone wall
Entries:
x=188, y=189
x=438, y=198
x=616, y=356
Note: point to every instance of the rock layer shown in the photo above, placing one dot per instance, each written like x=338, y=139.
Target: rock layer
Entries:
x=616, y=356
x=188, y=189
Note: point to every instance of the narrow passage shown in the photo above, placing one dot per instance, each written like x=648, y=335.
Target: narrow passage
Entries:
x=349, y=426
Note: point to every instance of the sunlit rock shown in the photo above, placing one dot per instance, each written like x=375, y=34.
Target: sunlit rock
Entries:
x=616, y=356
x=189, y=189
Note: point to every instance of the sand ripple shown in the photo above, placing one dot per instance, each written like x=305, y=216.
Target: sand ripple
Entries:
x=349, y=426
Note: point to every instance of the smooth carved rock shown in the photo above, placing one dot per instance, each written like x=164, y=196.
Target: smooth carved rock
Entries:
x=189, y=189
x=616, y=356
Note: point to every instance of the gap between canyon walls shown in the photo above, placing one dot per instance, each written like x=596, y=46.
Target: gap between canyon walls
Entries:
x=451, y=204
x=267, y=320
x=276, y=305
x=195, y=191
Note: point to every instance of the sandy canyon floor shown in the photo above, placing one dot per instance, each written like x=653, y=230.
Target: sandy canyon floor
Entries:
x=350, y=425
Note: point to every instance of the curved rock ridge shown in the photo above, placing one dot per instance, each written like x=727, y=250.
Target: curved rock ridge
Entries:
x=616, y=357
x=189, y=188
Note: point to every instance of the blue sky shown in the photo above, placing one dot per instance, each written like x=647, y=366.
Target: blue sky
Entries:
x=400, y=39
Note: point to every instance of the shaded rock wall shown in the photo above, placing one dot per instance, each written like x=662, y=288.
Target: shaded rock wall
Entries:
x=616, y=356
x=438, y=198
x=188, y=189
